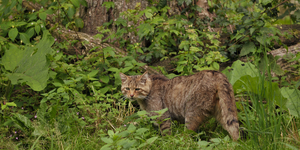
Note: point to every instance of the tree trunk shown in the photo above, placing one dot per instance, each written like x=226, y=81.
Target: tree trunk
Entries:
x=96, y=14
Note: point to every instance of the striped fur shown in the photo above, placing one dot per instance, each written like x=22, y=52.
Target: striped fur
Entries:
x=189, y=99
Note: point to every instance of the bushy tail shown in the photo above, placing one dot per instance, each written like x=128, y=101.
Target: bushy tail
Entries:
x=226, y=111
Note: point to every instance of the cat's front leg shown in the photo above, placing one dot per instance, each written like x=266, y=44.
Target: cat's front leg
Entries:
x=165, y=124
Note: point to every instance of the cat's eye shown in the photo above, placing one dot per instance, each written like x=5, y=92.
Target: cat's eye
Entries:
x=127, y=88
x=137, y=89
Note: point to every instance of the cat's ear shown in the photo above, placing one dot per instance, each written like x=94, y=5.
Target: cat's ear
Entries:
x=143, y=78
x=123, y=77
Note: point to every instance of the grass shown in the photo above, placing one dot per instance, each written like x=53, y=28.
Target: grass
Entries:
x=264, y=128
x=263, y=124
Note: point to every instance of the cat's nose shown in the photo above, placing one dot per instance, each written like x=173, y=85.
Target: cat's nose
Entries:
x=131, y=95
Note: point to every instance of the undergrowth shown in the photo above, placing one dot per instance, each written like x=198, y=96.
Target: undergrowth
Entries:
x=54, y=100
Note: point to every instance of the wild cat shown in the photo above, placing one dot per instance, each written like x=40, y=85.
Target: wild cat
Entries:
x=189, y=99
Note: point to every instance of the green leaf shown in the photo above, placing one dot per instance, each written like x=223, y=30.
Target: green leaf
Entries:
x=106, y=147
x=83, y=2
x=38, y=131
x=182, y=62
x=194, y=49
x=12, y=57
x=216, y=66
x=109, y=50
x=104, y=90
x=247, y=48
x=31, y=64
x=239, y=69
x=43, y=15
x=37, y=28
x=157, y=20
x=271, y=62
x=107, y=140
x=257, y=85
x=104, y=79
x=128, y=144
x=121, y=21
x=71, y=12
x=175, y=32
x=60, y=90
x=180, y=2
x=188, y=2
x=3, y=106
x=93, y=73
x=10, y=104
x=111, y=133
x=19, y=24
x=97, y=83
x=142, y=113
x=42, y=112
x=179, y=68
x=12, y=34
x=131, y=128
x=252, y=30
x=113, y=69
x=170, y=76
x=30, y=32
x=124, y=70
x=26, y=122
x=49, y=11
x=262, y=39
x=57, y=83
x=141, y=131
x=162, y=111
x=216, y=140
x=162, y=3
x=123, y=134
x=184, y=45
x=142, y=145
x=79, y=23
x=148, y=13
x=203, y=143
x=144, y=29
x=265, y=2
x=76, y=3
x=293, y=100
x=25, y=38
x=108, y=5
x=151, y=140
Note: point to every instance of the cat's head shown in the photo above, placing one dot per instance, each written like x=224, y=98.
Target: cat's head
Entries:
x=136, y=87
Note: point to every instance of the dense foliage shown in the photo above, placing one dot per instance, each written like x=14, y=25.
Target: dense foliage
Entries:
x=53, y=100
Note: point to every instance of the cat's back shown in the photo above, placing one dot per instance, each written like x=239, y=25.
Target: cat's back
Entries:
x=158, y=79
x=203, y=81
x=202, y=78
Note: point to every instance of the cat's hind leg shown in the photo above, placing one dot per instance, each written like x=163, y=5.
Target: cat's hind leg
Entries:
x=193, y=120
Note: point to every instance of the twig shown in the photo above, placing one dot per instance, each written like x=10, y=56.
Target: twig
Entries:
x=275, y=6
x=74, y=28
x=77, y=52
x=111, y=125
x=69, y=19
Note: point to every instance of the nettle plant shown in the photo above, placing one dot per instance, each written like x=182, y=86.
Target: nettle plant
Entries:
x=254, y=31
x=27, y=30
x=84, y=89
x=162, y=37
